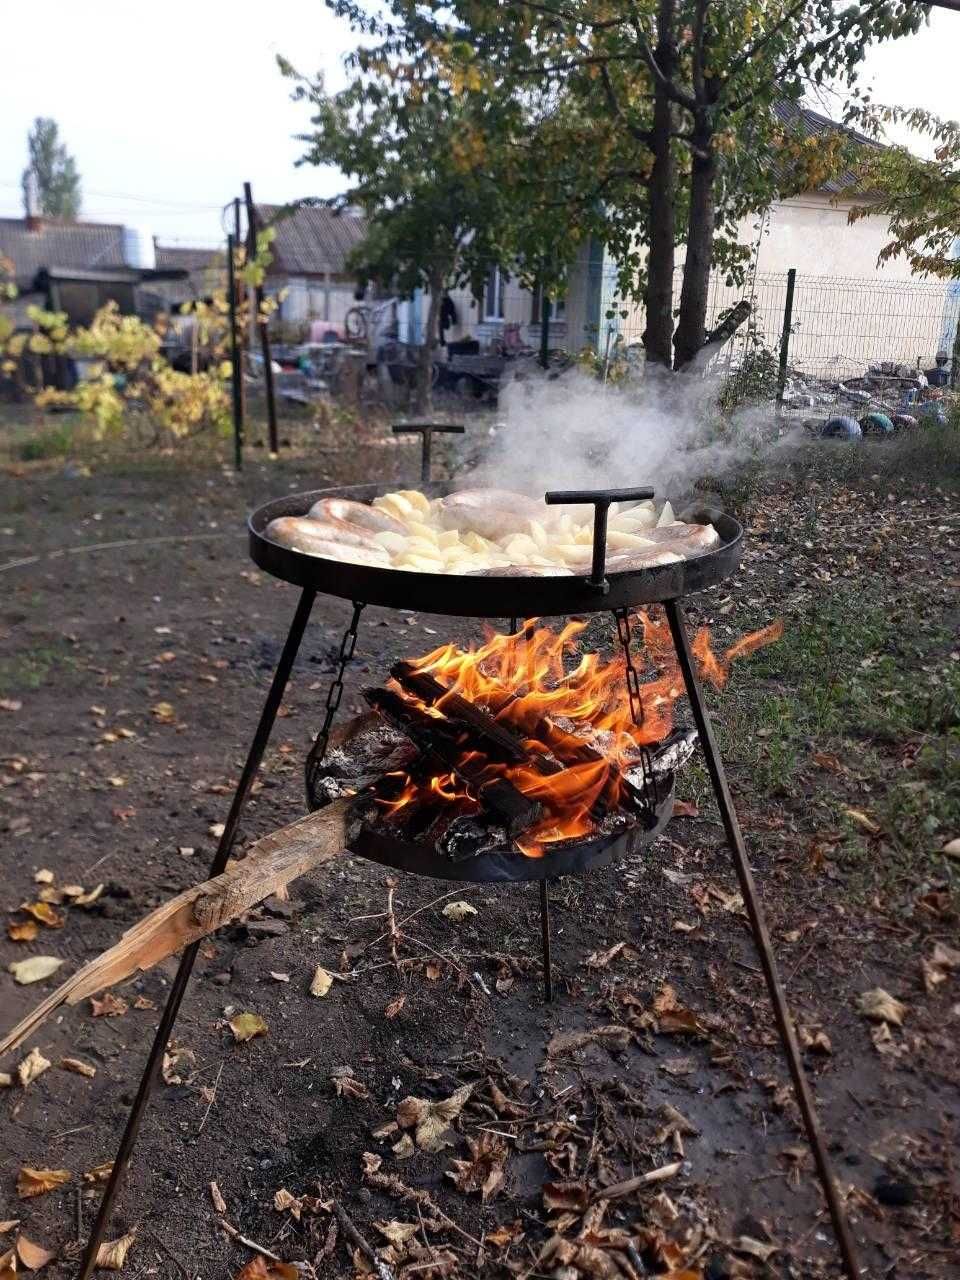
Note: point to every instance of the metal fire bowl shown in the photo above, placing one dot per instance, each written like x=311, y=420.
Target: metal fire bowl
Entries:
x=502, y=866
x=475, y=597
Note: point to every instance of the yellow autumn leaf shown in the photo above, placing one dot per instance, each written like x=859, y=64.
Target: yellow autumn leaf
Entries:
x=33, y=1065
x=35, y=969
x=112, y=1254
x=321, y=982
x=22, y=930
x=37, y=1182
x=245, y=1026
x=44, y=913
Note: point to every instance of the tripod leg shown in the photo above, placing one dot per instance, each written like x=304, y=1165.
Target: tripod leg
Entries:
x=761, y=937
x=180, y=982
x=545, y=940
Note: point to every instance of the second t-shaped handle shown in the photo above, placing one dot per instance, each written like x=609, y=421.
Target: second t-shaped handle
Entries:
x=425, y=431
x=600, y=499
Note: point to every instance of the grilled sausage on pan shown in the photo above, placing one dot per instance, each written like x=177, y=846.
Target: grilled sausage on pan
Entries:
x=493, y=513
x=521, y=571
x=358, y=513
x=312, y=537
x=698, y=537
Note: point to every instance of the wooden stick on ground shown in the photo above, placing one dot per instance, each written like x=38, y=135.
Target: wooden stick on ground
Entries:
x=271, y=862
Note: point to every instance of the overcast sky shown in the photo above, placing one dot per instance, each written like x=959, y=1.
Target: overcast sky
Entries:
x=168, y=108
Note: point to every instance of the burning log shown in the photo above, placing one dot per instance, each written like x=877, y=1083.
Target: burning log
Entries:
x=451, y=745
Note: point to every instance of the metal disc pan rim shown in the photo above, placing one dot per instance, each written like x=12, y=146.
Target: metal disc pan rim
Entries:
x=477, y=597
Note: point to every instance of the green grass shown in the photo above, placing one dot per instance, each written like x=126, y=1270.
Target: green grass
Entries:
x=30, y=670
x=853, y=684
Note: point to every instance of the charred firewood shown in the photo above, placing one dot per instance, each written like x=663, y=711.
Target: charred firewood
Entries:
x=455, y=749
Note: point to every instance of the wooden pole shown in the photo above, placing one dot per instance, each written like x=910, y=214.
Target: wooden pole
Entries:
x=239, y=294
x=252, y=227
x=236, y=375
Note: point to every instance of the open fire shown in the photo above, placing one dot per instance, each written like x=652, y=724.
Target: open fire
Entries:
x=535, y=734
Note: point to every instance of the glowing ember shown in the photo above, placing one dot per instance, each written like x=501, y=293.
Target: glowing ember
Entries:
x=576, y=724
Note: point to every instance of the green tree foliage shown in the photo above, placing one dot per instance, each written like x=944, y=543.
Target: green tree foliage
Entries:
x=432, y=170
x=54, y=169
x=921, y=198
x=651, y=122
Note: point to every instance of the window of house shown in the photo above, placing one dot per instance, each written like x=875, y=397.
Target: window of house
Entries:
x=493, y=290
x=558, y=307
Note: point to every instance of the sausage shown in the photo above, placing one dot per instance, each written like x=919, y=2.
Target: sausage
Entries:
x=355, y=513
x=312, y=538
x=493, y=513
x=650, y=559
x=696, y=537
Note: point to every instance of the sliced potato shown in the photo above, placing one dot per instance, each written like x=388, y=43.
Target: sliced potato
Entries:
x=423, y=531
x=395, y=543
x=417, y=500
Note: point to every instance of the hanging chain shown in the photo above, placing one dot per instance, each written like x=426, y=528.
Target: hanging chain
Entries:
x=334, y=696
x=632, y=676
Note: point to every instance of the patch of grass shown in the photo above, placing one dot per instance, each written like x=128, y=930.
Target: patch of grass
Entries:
x=852, y=683
x=51, y=442
x=33, y=669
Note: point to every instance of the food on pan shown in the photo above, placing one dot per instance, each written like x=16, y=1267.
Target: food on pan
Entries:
x=489, y=533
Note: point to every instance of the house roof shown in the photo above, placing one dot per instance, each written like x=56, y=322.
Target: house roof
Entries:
x=78, y=245
x=811, y=124
x=311, y=239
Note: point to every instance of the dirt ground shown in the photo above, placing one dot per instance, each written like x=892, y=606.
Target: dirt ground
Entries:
x=136, y=647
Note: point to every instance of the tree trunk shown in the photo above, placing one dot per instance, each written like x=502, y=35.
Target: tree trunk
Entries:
x=658, y=298
x=691, y=327
x=423, y=403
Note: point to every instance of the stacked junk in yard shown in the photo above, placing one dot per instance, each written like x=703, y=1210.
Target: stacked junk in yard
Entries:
x=491, y=765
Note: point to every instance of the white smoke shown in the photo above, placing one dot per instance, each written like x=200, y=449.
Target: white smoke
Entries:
x=662, y=430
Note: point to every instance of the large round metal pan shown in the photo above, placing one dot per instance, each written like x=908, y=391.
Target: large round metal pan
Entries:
x=478, y=597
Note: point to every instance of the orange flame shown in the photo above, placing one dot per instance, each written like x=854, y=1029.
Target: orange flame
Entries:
x=579, y=720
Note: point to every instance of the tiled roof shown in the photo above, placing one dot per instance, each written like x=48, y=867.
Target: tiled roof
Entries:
x=84, y=245
x=311, y=239
x=811, y=124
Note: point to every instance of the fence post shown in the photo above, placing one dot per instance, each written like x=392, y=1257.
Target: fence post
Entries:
x=236, y=374
x=544, y=328
x=785, y=336
x=252, y=227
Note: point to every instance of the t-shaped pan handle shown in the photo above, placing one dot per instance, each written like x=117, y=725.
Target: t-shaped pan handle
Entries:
x=600, y=499
x=425, y=431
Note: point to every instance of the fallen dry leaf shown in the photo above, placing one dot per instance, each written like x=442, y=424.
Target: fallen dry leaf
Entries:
x=459, y=911
x=761, y=1249
x=398, y=1233
x=8, y=1225
x=108, y=1006
x=431, y=1119
x=89, y=898
x=267, y=1269
x=952, y=848
x=568, y=1197
x=284, y=1201
x=863, y=820
x=216, y=1198
x=600, y=959
x=33, y=1256
x=112, y=1254
x=6, y=1079
x=33, y=1065
x=394, y=1007
x=22, y=930
x=177, y=1061
x=321, y=982
x=246, y=1026
x=37, y=1182
x=44, y=914
x=216, y=830
x=43, y=876
x=99, y=1173
x=880, y=1006
x=10, y=704
x=613, y=1036
x=164, y=712
x=35, y=969
x=686, y=809
x=484, y=1171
